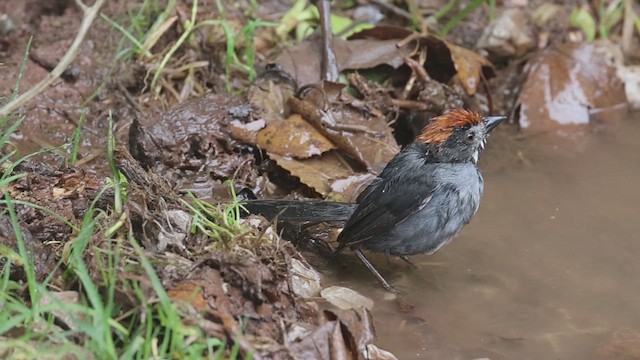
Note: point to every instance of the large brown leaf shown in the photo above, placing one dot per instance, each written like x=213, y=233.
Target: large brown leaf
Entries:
x=360, y=131
x=389, y=45
x=569, y=85
x=293, y=137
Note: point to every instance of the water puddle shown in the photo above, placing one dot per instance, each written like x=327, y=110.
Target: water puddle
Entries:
x=548, y=268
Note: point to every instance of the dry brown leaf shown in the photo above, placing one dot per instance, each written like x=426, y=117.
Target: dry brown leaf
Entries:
x=268, y=95
x=317, y=172
x=349, y=188
x=293, y=137
x=342, y=335
x=469, y=65
x=248, y=132
x=389, y=45
x=365, y=50
x=355, y=130
x=191, y=293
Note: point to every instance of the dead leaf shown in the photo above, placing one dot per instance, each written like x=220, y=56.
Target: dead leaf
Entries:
x=348, y=189
x=345, y=298
x=375, y=353
x=293, y=137
x=305, y=280
x=568, y=85
x=317, y=172
x=70, y=319
x=248, y=132
x=342, y=335
x=355, y=130
x=190, y=293
x=389, y=45
x=470, y=66
x=359, y=322
x=364, y=50
x=268, y=95
x=508, y=35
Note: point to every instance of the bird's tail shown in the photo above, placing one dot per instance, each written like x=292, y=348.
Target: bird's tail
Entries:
x=299, y=210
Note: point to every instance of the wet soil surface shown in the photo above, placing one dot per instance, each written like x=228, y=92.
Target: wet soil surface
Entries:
x=546, y=270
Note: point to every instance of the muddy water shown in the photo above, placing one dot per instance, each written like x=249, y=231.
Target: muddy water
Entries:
x=548, y=269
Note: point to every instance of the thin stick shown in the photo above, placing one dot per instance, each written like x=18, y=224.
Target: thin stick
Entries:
x=329, y=63
x=627, y=27
x=88, y=17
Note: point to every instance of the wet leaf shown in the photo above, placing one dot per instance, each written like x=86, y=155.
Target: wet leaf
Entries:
x=508, y=35
x=469, y=65
x=345, y=298
x=375, y=353
x=348, y=189
x=358, y=321
x=293, y=137
x=342, y=335
x=269, y=93
x=364, y=50
x=569, y=85
x=325, y=342
x=305, y=280
x=246, y=132
x=317, y=172
x=360, y=131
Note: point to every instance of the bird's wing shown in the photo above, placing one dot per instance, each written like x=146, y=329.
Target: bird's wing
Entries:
x=382, y=205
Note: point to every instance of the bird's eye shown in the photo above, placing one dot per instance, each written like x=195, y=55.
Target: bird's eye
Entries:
x=471, y=137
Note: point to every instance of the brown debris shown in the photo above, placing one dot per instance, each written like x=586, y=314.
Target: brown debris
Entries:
x=67, y=193
x=194, y=139
x=247, y=280
x=293, y=137
x=570, y=84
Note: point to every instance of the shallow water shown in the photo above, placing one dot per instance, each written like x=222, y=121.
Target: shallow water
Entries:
x=549, y=268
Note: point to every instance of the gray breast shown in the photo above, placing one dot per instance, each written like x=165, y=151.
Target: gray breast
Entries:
x=435, y=224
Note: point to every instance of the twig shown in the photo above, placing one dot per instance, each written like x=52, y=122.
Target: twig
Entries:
x=89, y=14
x=329, y=63
x=394, y=9
x=627, y=27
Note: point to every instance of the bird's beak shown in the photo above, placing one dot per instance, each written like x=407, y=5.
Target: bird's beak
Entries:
x=490, y=122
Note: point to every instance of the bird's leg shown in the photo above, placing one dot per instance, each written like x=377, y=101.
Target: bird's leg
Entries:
x=408, y=261
x=375, y=272
x=387, y=257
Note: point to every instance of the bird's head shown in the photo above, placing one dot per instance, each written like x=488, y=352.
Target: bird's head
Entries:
x=457, y=136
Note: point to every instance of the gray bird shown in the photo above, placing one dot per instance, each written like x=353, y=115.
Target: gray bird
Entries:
x=424, y=196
